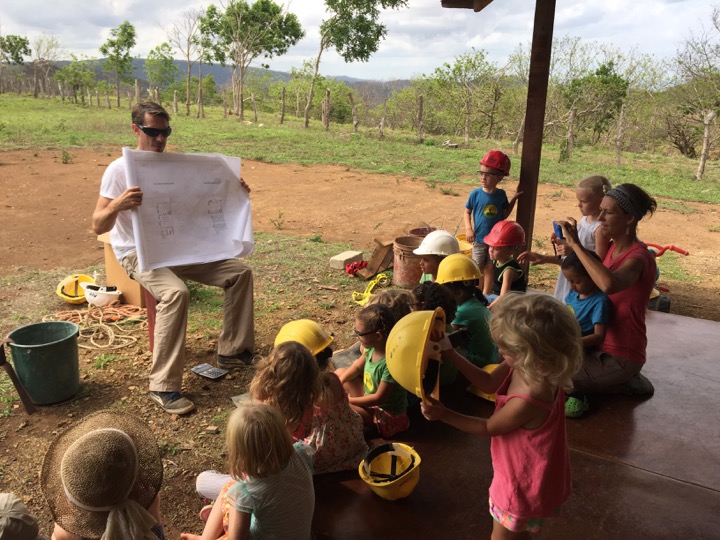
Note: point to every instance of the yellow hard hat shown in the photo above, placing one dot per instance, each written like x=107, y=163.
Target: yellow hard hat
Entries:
x=457, y=267
x=391, y=470
x=70, y=289
x=412, y=359
x=474, y=390
x=306, y=332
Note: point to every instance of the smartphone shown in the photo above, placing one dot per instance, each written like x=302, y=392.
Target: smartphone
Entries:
x=558, y=230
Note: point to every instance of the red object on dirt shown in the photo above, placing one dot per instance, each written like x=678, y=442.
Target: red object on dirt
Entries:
x=353, y=268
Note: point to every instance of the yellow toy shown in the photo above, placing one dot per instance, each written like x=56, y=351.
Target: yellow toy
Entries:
x=362, y=298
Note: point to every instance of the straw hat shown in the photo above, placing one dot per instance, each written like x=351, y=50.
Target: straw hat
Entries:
x=101, y=462
x=16, y=523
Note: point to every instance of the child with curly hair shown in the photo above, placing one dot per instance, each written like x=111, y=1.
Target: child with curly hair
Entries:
x=540, y=345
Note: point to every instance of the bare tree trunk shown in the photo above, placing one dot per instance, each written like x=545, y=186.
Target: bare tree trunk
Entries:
x=235, y=90
x=354, y=113
x=156, y=95
x=254, y=106
x=467, y=123
x=224, y=105
x=107, y=98
x=89, y=94
x=571, y=132
x=137, y=91
x=187, y=88
x=620, y=138
x=282, y=106
x=297, y=103
x=421, y=119
x=707, y=122
x=519, y=136
x=306, y=121
x=97, y=97
x=382, y=120
x=175, y=102
x=130, y=100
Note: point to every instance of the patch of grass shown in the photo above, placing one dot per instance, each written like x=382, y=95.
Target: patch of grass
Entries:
x=8, y=396
x=677, y=206
x=104, y=359
x=714, y=228
x=449, y=191
x=317, y=238
x=671, y=268
x=50, y=123
x=278, y=222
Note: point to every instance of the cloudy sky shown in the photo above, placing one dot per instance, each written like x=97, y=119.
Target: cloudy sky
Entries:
x=419, y=38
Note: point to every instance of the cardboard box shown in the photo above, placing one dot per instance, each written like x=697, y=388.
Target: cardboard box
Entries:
x=132, y=292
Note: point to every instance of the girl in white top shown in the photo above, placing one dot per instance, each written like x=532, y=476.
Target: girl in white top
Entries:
x=589, y=192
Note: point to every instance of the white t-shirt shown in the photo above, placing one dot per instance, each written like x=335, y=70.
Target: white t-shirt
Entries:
x=122, y=237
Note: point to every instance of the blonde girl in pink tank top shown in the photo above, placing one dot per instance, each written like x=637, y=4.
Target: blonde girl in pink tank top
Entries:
x=540, y=346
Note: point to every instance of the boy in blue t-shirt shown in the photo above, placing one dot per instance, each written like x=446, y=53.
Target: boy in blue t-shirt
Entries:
x=590, y=305
x=486, y=206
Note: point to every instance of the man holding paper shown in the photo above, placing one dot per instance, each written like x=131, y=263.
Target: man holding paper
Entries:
x=113, y=212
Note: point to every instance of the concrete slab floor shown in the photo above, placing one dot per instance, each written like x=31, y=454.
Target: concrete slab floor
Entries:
x=641, y=468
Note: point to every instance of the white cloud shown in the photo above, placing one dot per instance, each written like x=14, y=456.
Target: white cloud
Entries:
x=419, y=39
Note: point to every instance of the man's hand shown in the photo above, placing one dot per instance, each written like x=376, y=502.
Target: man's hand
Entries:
x=128, y=199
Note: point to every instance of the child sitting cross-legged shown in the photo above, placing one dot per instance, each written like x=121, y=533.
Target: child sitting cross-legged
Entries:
x=271, y=494
x=373, y=392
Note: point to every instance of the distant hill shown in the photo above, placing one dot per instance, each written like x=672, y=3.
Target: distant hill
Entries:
x=223, y=76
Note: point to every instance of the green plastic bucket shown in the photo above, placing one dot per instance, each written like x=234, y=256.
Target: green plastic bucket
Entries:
x=45, y=356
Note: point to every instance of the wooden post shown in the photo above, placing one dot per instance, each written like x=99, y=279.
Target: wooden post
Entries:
x=620, y=139
x=254, y=106
x=282, y=106
x=137, y=91
x=175, y=102
x=382, y=120
x=535, y=114
x=354, y=113
x=326, y=110
x=224, y=105
x=420, y=116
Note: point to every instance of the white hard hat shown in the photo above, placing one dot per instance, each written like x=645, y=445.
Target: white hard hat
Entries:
x=438, y=243
x=100, y=296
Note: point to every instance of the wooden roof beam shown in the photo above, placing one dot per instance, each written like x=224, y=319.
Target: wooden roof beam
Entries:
x=475, y=5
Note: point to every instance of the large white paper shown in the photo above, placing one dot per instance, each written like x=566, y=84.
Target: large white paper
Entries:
x=193, y=211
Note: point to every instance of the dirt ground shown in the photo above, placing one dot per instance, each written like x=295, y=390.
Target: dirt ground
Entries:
x=45, y=209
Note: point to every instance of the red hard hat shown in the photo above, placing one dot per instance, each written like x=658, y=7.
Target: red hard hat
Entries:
x=497, y=160
x=505, y=233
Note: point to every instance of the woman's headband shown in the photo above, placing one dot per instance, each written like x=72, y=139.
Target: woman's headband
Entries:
x=626, y=201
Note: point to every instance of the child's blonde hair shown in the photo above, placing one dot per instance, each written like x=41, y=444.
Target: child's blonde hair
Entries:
x=398, y=300
x=541, y=334
x=596, y=184
x=258, y=442
x=288, y=379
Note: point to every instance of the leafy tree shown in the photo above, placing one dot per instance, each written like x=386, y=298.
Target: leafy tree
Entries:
x=698, y=68
x=12, y=50
x=245, y=32
x=78, y=76
x=160, y=68
x=353, y=30
x=469, y=85
x=117, y=54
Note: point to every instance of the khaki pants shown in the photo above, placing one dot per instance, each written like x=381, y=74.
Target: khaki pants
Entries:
x=172, y=295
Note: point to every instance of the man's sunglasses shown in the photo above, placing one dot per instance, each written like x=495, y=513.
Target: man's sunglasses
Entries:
x=154, y=132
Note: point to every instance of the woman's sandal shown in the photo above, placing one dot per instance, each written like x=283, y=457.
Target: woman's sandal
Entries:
x=576, y=407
